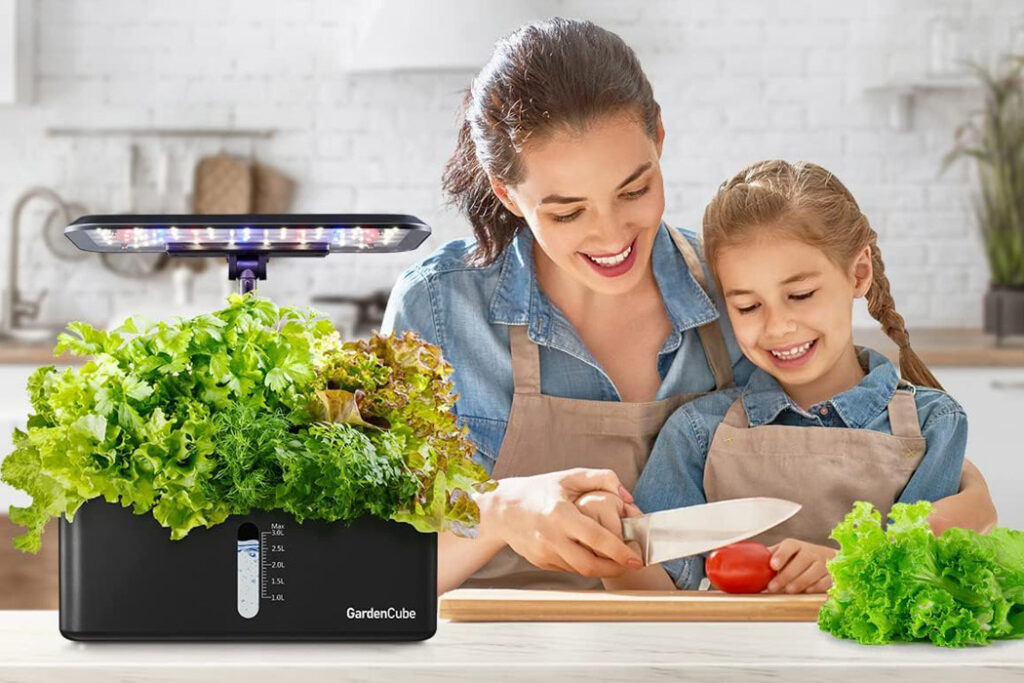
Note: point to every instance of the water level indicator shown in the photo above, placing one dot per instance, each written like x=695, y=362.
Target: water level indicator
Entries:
x=248, y=570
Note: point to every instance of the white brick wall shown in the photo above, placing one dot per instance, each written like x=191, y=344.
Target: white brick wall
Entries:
x=737, y=81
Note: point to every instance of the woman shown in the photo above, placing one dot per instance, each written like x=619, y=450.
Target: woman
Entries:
x=576, y=321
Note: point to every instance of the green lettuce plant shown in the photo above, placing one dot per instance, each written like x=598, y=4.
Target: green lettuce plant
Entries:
x=902, y=583
x=201, y=418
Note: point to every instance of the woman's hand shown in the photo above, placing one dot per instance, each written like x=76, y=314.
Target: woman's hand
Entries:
x=538, y=518
x=800, y=566
x=608, y=509
x=971, y=508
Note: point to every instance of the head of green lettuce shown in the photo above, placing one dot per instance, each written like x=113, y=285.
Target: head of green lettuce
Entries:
x=902, y=583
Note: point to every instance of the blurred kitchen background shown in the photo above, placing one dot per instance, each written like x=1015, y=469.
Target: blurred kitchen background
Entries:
x=356, y=103
x=119, y=106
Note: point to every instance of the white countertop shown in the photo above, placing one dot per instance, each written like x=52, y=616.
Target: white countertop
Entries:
x=32, y=649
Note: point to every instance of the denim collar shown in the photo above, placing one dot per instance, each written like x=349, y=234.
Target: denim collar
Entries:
x=518, y=299
x=764, y=399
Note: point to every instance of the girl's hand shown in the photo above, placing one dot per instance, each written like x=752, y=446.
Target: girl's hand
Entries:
x=538, y=518
x=800, y=566
x=607, y=509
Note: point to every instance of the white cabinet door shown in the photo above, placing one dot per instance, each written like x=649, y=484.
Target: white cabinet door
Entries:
x=16, y=53
x=994, y=401
x=14, y=410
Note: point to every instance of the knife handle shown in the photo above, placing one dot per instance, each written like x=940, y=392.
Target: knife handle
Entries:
x=636, y=529
x=630, y=530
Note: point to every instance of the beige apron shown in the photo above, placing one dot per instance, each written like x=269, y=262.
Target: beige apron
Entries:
x=550, y=433
x=825, y=469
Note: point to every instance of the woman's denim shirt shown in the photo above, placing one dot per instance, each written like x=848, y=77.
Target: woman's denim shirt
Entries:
x=466, y=310
x=674, y=475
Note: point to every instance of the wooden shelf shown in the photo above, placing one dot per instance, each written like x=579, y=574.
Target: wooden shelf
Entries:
x=903, y=93
x=162, y=132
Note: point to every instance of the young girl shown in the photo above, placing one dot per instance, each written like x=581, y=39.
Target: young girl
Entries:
x=820, y=421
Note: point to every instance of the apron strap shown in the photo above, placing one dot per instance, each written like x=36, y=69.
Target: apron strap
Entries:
x=736, y=416
x=710, y=333
x=717, y=354
x=903, y=414
x=525, y=361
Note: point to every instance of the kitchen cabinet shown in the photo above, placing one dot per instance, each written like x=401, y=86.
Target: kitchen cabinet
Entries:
x=32, y=649
x=993, y=398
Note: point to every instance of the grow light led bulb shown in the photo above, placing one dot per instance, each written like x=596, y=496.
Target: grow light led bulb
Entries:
x=212, y=235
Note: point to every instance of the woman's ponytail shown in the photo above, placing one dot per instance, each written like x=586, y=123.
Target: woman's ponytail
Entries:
x=468, y=189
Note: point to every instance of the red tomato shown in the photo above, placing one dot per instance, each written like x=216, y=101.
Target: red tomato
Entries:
x=740, y=568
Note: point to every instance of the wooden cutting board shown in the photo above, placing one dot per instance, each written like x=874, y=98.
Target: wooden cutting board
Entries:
x=496, y=604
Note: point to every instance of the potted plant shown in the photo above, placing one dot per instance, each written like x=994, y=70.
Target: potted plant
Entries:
x=994, y=138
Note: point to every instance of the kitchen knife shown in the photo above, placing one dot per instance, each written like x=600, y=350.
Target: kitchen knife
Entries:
x=680, y=532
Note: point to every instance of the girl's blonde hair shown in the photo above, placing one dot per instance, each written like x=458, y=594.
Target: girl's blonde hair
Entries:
x=808, y=203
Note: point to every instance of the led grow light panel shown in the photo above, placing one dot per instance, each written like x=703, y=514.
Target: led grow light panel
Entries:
x=294, y=234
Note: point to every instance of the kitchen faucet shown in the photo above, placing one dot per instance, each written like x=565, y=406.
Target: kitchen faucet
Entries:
x=16, y=309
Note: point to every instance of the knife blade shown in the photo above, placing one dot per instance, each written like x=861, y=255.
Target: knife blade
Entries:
x=680, y=532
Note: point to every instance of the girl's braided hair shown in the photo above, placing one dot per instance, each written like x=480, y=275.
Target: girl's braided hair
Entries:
x=808, y=203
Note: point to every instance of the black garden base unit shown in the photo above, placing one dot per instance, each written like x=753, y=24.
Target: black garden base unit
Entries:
x=261, y=576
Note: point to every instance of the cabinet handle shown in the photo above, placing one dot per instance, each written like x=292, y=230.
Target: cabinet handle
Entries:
x=1007, y=386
